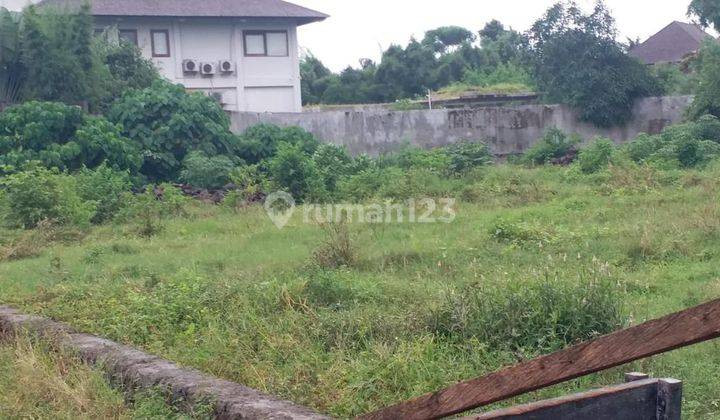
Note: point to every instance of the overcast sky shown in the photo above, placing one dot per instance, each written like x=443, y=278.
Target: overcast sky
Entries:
x=361, y=28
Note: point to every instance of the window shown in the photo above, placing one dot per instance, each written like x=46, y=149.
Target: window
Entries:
x=128, y=35
x=160, y=40
x=276, y=44
x=266, y=43
x=254, y=44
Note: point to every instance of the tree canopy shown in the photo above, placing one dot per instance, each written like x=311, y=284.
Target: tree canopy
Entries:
x=52, y=56
x=577, y=61
x=443, y=56
x=706, y=11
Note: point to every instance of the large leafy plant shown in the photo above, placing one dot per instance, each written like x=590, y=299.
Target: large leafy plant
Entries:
x=64, y=137
x=167, y=123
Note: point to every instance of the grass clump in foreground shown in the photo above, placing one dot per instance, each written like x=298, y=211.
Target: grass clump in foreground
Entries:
x=39, y=382
x=353, y=319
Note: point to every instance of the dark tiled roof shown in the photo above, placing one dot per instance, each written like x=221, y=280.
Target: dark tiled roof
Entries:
x=196, y=8
x=671, y=44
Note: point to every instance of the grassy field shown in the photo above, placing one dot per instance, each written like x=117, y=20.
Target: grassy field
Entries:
x=536, y=259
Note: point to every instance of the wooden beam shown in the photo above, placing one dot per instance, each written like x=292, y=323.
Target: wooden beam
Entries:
x=634, y=400
x=681, y=329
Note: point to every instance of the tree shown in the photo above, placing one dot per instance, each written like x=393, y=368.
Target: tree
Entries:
x=52, y=56
x=444, y=56
x=122, y=67
x=442, y=39
x=314, y=79
x=707, y=12
x=56, y=56
x=707, y=97
x=577, y=61
x=12, y=71
x=408, y=72
x=492, y=30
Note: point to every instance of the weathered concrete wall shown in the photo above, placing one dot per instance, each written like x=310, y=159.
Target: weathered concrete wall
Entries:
x=507, y=130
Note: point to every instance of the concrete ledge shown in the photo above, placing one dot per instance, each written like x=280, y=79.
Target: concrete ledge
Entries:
x=134, y=369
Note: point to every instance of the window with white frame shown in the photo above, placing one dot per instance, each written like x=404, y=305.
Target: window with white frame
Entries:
x=160, y=40
x=266, y=43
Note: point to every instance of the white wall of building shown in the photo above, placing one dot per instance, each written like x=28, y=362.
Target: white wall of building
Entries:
x=258, y=84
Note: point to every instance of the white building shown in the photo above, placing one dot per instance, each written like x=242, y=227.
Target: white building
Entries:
x=243, y=52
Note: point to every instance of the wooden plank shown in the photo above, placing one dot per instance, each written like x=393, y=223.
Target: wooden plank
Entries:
x=681, y=329
x=636, y=400
x=669, y=399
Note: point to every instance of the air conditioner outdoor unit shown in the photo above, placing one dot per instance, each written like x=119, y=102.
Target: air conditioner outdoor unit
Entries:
x=227, y=66
x=190, y=66
x=208, y=68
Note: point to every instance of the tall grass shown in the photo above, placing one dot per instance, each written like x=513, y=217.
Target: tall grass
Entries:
x=533, y=317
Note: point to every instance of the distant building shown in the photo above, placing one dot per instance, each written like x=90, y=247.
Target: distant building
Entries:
x=242, y=52
x=672, y=44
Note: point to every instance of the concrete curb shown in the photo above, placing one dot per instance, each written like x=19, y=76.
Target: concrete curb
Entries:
x=134, y=369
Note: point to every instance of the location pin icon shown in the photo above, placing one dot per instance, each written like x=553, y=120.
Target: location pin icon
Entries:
x=280, y=207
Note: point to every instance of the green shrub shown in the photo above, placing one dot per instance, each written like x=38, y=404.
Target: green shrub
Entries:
x=251, y=181
x=202, y=171
x=674, y=81
x=519, y=232
x=467, y=155
x=333, y=163
x=554, y=144
x=417, y=183
x=37, y=194
x=361, y=163
x=692, y=152
x=63, y=137
x=683, y=145
x=167, y=123
x=533, y=317
x=293, y=171
x=150, y=209
x=367, y=183
x=596, y=156
x=105, y=187
x=261, y=142
x=643, y=147
x=707, y=97
x=409, y=157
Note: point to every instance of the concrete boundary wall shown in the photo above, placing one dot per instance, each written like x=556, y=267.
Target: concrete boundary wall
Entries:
x=134, y=369
x=507, y=130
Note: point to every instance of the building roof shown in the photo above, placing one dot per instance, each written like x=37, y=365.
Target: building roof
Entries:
x=671, y=44
x=194, y=8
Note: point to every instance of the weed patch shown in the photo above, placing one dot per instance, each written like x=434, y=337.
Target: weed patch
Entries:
x=338, y=249
x=533, y=317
